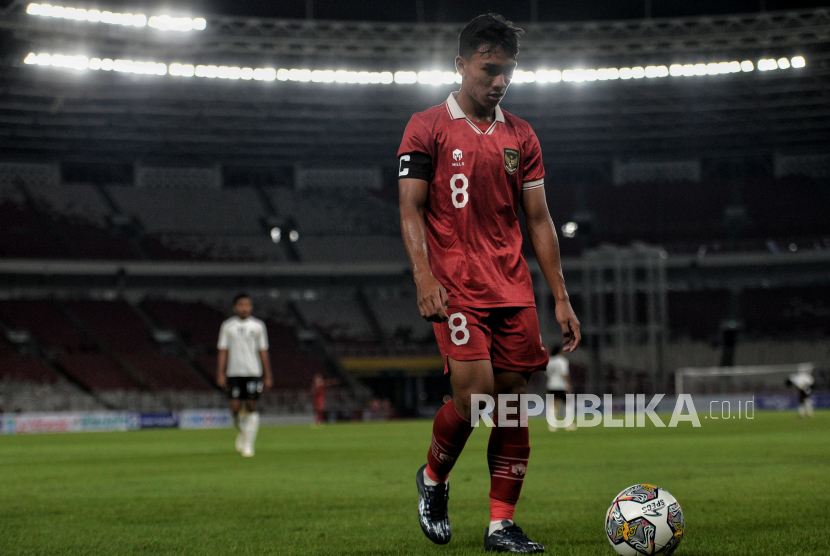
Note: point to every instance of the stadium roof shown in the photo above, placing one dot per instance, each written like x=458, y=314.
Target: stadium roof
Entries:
x=65, y=114
x=451, y=11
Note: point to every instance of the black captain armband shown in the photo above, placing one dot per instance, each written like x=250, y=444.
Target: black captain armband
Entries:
x=415, y=165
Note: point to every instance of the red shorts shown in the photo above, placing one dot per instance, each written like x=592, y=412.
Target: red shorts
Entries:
x=507, y=336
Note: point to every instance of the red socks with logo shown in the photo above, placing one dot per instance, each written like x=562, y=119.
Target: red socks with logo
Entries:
x=450, y=432
x=507, y=456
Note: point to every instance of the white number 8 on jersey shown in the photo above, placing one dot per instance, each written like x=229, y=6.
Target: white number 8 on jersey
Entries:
x=455, y=329
x=456, y=191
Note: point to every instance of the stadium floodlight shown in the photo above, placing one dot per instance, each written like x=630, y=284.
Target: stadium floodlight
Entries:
x=406, y=77
x=276, y=234
x=767, y=65
x=569, y=229
x=167, y=23
x=160, y=22
x=435, y=78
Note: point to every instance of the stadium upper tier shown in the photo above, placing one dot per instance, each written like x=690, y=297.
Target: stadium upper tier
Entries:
x=355, y=225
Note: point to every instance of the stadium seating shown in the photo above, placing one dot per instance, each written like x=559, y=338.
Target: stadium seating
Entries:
x=166, y=372
x=397, y=313
x=75, y=201
x=15, y=368
x=131, y=341
x=354, y=249
x=697, y=314
x=337, y=315
x=96, y=372
x=804, y=312
x=194, y=211
x=198, y=324
x=330, y=210
x=115, y=324
x=353, y=224
x=24, y=235
x=44, y=320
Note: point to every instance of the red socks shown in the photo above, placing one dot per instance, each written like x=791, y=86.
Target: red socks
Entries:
x=507, y=456
x=450, y=432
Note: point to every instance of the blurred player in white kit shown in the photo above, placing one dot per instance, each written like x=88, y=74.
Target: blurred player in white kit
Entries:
x=244, y=369
x=558, y=385
x=803, y=381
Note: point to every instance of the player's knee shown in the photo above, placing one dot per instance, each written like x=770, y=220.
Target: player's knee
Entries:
x=464, y=400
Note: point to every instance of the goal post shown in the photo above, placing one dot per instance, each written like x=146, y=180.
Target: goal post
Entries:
x=748, y=379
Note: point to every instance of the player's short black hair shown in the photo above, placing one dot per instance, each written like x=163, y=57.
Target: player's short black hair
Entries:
x=555, y=348
x=240, y=295
x=490, y=30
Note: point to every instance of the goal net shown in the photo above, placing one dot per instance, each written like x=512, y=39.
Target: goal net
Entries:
x=757, y=379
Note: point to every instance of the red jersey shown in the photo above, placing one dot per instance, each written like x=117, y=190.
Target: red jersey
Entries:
x=476, y=176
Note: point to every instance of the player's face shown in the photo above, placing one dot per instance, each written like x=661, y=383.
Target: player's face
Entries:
x=243, y=308
x=486, y=75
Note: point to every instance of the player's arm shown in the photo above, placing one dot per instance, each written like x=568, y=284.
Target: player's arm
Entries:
x=266, y=369
x=546, y=245
x=221, y=365
x=432, y=297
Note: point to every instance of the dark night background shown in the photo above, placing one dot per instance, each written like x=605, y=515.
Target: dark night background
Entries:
x=453, y=10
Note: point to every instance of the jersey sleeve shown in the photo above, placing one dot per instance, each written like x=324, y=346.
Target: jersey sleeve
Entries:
x=223, y=337
x=416, y=151
x=262, y=341
x=534, y=170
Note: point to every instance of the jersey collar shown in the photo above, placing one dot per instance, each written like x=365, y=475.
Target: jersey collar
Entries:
x=457, y=113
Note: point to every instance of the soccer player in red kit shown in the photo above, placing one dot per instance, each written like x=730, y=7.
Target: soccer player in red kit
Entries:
x=466, y=166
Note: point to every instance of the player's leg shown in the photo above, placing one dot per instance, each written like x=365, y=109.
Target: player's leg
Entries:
x=452, y=426
x=802, y=406
x=235, y=394
x=517, y=351
x=464, y=342
x=508, y=453
x=450, y=432
x=253, y=387
x=552, y=412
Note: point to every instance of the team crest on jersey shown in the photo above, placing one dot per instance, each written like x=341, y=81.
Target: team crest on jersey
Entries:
x=511, y=160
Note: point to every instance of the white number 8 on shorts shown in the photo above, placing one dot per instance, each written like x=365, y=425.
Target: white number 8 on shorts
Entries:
x=455, y=329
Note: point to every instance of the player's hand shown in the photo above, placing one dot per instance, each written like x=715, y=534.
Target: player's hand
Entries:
x=566, y=318
x=268, y=383
x=221, y=381
x=432, y=299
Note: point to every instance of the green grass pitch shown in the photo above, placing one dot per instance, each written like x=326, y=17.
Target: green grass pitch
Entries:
x=747, y=487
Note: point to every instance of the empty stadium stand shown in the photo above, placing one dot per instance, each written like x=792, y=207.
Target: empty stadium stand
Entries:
x=47, y=323
x=397, y=313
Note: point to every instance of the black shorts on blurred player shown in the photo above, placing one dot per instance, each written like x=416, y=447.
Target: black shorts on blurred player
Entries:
x=558, y=394
x=244, y=387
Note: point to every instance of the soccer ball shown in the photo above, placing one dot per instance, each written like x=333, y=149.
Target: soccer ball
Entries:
x=644, y=519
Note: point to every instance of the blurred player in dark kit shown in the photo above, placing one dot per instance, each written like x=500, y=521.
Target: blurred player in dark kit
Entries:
x=465, y=168
x=244, y=369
